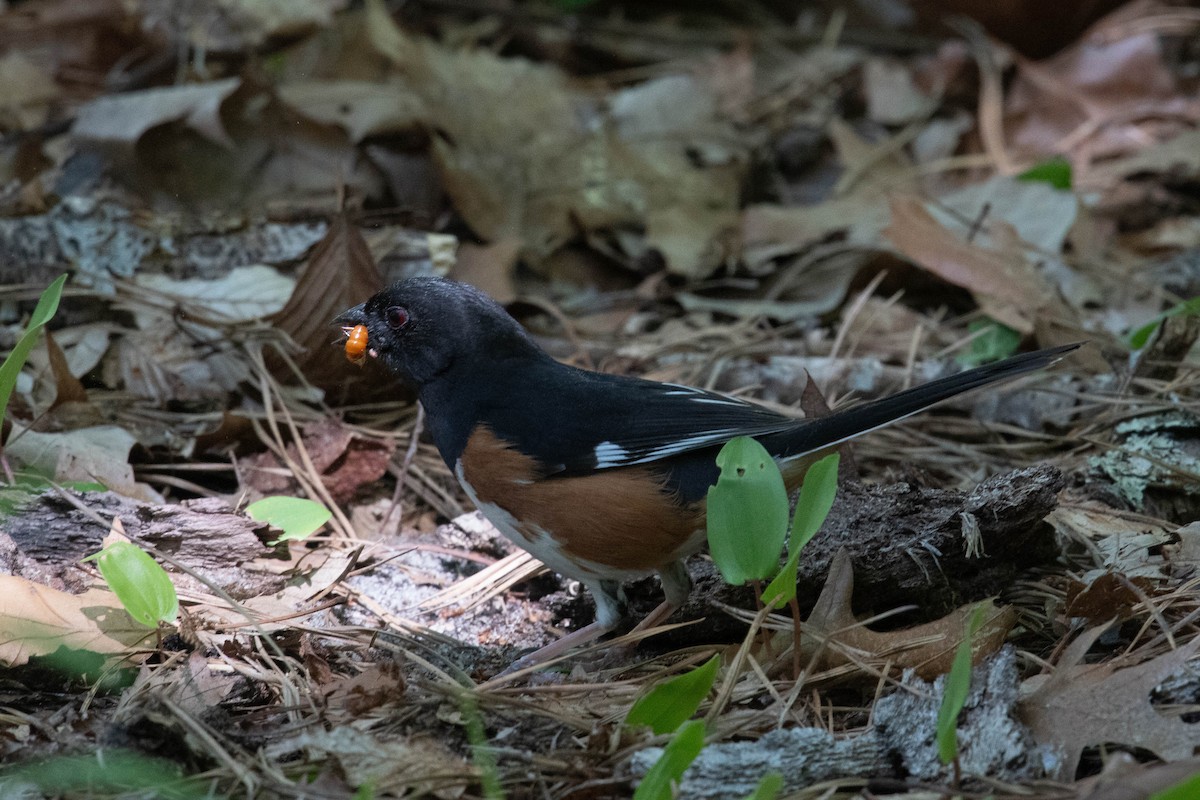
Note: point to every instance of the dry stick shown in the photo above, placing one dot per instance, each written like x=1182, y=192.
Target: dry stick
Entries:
x=308, y=477
x=735, y=667
x=991, y=93
x=794, y=604
x=852, y=313
x=405, y=465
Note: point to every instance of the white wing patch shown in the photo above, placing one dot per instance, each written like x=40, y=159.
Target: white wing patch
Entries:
x=610, y=454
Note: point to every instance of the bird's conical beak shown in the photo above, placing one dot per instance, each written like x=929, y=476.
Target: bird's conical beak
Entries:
x=351, y=317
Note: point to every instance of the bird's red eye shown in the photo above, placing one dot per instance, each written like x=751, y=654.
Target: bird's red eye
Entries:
x=397, y=317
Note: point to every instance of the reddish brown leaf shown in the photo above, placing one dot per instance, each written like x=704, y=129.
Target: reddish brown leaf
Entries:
x=341, y=273
x=68, y=388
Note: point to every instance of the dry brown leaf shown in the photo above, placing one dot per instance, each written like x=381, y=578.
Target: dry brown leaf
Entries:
x=523, y=153
x=1006, y=287
x=341, y=273
x=1110, y=595
x=68, y=387
x=928, y=649
x=391, y=764
x=36, y=620
x=25, y=92
x=345, y=461
x=117, y=121
x=1081, y=705
x=377, y=685
x=1094, y=98
x=489, y=267
x=1178, y=156
x=361, y=108
x=96, y=454
x=1125, y=779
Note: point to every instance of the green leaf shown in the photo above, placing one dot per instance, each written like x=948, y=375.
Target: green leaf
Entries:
x=1187, y=789
x=42, y=313
x=297, y=517
x=1055, y=171
x=676, y=757
x=672, y=702
x=142, y=586
x=958, y=683
x=768, y=787
x=996, y=342
x=1139, y=337
x=816, y=498
x=108, y=772
x=747, y=512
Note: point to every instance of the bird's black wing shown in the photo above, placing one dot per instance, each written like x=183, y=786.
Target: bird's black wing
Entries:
x=593, y=421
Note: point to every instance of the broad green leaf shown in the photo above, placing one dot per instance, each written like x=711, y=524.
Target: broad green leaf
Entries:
x=672, y=702
x=768, y=787
x=42, y=313
x=958, y=683
x=676, y=757
x=142, y=586
x=998, y=341
x=297, y=517
x=816, y=498
x=747, y=512
x=1187, y=789
x=1055, y=171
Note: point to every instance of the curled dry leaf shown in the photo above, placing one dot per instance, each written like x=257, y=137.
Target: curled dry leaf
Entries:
x=341, y=273
x=927, y=649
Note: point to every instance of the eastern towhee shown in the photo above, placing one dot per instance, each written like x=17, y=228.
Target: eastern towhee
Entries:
x=602, y=477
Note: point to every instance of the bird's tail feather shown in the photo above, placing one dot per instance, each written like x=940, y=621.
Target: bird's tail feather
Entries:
x=841, y=426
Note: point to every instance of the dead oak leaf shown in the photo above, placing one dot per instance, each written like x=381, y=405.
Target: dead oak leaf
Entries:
x=36, y=620
x=927, y=649
x=1090, y=704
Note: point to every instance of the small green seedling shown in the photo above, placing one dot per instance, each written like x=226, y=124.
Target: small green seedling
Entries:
x=958, y=683
x=676, y=757
x=42, y=313
x=482, y=753
x=143, y=587
x=816, y=499
x=1054, y=171
x=672, y=702
x=747, y=513
x=1141, y=335
x=768, y=787
x=296, y=517
x=1187, y=789
x=995, y=341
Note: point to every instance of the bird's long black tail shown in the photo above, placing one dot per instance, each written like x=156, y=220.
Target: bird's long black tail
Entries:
x=841, y=426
